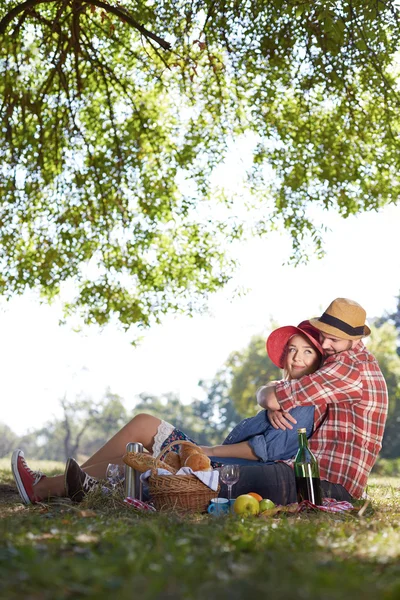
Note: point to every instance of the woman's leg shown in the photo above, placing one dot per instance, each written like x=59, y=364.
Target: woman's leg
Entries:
x=49, y=487
x=141, y=428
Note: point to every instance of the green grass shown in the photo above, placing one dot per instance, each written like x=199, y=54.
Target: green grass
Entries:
x=44, y=465
x=61, y=551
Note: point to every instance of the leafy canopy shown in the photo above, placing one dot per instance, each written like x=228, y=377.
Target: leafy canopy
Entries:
x=113, y=119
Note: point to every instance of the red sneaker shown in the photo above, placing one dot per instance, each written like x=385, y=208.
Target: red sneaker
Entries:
x=25, y=478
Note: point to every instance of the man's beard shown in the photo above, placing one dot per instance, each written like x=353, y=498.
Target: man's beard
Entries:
x=332, y=352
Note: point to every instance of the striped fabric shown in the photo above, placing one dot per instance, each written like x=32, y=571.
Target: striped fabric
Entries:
x=328, y=505
x=350, y=395
x=139, y=504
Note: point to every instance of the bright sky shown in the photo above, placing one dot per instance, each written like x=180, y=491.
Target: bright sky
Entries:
x=41, y=361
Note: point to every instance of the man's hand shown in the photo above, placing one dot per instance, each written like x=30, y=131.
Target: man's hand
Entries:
x=280, y=419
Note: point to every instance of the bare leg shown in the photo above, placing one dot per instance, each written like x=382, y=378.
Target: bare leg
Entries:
x=141, y=428
x=50, y=487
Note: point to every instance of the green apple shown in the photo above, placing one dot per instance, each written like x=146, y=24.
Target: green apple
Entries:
x=246, y=505
x=266, y=504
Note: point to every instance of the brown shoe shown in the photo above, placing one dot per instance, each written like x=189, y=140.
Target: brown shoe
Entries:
x=77, y=482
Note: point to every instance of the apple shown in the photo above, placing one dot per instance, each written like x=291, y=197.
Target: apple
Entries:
x=246, y=505
x=266, y=504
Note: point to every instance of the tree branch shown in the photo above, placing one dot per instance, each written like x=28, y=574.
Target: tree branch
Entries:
x=124, y=15
x=6, y=20
x=119, y=12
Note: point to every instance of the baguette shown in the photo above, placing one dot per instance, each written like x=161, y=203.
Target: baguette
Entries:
x=141, y=461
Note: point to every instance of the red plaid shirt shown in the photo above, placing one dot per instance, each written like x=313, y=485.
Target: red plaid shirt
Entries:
x=351, y=401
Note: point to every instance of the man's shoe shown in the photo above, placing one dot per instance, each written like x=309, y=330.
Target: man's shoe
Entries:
x=77, y=482
x=25, y=478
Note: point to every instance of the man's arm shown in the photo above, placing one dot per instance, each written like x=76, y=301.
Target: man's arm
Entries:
x=338, y=380
x=279, y=419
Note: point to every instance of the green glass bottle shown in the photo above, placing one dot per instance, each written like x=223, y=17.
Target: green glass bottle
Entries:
x=306, y=471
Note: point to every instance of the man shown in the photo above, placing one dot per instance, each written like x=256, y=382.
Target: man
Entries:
x=350, y=398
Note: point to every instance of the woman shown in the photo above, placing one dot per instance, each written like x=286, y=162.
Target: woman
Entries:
x=295, y=349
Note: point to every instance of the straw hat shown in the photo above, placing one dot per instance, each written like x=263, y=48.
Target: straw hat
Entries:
x=277, y=340
x=344, y=319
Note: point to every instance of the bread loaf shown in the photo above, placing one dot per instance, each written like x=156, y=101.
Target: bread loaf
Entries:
x=173, y=460
x=198, y=462
x=186, y=451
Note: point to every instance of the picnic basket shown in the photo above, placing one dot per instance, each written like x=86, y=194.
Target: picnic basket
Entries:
x=180, y=493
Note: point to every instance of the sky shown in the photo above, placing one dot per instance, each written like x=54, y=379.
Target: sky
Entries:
x=43, y=361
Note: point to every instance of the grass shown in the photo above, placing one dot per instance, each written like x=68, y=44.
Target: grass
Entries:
x=105, y=549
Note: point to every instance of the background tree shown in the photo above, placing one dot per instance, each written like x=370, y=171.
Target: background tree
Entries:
x=383, y=345
x=111, y=415
x=84, y=427
x=394, y=319
x=79, y=415
x=63, y=437
x=109, y=139
x=249, y=369
x=216, y=410
x=8, y=440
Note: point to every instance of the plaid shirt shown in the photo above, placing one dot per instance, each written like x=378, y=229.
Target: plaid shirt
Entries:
x=351, y=401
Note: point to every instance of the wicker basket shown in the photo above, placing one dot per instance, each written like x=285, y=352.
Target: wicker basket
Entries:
x=180, y=493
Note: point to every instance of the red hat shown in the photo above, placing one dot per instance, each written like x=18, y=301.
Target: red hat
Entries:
x=277, y=340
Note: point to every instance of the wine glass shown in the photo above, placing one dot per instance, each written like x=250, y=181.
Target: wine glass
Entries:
x=115, y=474
x=230, y=476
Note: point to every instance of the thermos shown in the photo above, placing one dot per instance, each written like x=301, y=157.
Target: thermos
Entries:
x=133, y=485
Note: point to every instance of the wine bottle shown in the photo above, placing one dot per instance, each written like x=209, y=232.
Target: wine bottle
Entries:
x=306, y=471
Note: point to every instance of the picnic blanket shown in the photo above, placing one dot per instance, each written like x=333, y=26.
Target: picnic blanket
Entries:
x=139, y=504
x=328, y=505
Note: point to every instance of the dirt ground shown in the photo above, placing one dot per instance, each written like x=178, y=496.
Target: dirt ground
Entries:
x=8, y=493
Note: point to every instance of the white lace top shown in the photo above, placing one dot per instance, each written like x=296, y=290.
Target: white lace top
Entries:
x=164, y=430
